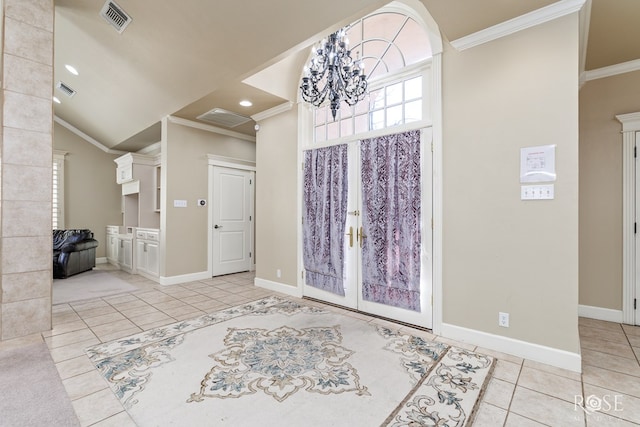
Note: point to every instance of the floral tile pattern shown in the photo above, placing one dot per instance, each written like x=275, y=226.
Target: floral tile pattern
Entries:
x=280, y=362
x=447, y=396
x=102, y=351
x=418, y=354
x=129, y=372
x=287, y=359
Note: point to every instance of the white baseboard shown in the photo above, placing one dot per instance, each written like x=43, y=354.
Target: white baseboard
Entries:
x=293, y=291
x=148, y=276
x=101, y=260
x=184, y=278
x=539, y=353
x=600, y=313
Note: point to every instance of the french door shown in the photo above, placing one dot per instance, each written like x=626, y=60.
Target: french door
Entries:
x=386, y=239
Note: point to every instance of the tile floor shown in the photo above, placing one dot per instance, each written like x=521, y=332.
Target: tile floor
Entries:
x=521, y=393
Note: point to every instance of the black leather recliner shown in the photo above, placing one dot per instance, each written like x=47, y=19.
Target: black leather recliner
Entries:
x=74, y=251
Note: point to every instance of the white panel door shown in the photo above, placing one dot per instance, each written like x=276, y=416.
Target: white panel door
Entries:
x=232, y=220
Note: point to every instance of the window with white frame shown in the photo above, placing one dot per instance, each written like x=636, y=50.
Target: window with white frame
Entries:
x=396, y=52
x=57, y=200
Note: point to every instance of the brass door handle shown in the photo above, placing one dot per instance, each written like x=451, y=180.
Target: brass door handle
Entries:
x=361, y=236
x=350, y=234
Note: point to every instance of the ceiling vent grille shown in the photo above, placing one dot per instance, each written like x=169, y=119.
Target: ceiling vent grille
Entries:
x=66, y=89
x=221, y=117
x=114, y=15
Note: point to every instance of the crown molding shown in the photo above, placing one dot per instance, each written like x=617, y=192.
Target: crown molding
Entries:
x=84, y=136
x=278, y=109
x=613, y=70
x=584, y=23
x=149, y=149
x=630, y=122
x=528, y=20
x=209, y=128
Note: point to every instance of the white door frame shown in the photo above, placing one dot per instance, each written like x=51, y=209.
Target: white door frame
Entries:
x=630, y=199
x=431, y=208
x=233, y=163
x=305, y=135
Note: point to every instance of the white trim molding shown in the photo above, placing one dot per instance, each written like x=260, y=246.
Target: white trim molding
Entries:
x=230, y=162
x=630, y=125
x=278, y=109
x=528, y=20
x=630, y=122
x=294, y=291
x=209, y=128
x=183, y=278
x=84, y=136
x=584, y=24
x=612, y=70
x=538, y=353
x=437, y=195
x=600, y=313
x=151, y=149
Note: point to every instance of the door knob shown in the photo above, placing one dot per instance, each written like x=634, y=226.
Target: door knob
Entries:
x=362, y=236
x=217, y=226
x=350, y=234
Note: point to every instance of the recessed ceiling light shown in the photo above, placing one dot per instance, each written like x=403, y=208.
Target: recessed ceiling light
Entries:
x=246, y=103
x=56, y=100
x=71, y=69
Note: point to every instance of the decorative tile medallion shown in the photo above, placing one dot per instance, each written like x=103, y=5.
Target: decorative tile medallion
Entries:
x=292, y=364
x=280, y=362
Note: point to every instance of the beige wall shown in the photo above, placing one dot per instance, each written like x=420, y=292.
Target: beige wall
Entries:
x=601, y=187
x=276, y=198
x=501, y=253
x=26, y=43
x=92, y=197
x=185, y=171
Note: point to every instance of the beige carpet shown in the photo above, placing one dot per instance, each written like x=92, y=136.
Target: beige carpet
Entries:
x=31, y=392
x=285, y=363
x=88, y=285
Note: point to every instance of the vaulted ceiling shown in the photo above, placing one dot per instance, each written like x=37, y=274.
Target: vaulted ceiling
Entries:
x=186, y=58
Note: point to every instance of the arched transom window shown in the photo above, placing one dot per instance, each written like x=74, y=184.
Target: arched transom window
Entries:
x=396, y=53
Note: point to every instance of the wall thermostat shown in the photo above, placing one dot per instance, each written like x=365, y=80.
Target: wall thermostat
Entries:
x=202, y=202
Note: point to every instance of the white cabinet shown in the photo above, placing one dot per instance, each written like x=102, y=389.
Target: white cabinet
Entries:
x=125, y=253
x=139, y=176
x=148, y=252
x=112, y=244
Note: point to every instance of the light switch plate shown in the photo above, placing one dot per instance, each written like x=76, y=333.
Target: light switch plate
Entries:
x=179, y=203
x=537, y=192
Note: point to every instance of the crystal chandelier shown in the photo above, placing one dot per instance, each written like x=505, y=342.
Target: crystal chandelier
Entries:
x=333, y=73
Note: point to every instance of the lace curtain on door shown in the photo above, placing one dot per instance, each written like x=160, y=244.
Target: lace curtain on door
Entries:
x=391, y=220
x=324, y=217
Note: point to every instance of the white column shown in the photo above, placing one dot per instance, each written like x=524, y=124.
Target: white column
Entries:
x=630, y=125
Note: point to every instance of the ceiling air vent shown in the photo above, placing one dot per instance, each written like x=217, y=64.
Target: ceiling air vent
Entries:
x=65, y=89
x=221, y=117
x=114, y=15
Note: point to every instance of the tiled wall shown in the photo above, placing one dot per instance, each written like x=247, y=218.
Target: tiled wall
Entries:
x=25, y=167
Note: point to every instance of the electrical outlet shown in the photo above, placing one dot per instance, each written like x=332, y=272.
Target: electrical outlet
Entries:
x=503, y=319
x=278, y=273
